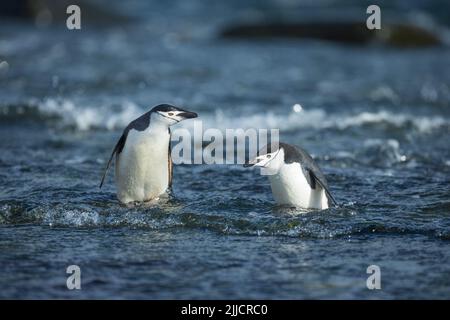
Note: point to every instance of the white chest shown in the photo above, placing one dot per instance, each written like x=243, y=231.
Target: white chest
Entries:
x=289, y=186
x=142, y=172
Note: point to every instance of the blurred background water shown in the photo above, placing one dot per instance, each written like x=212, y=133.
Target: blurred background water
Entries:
x=375, y=115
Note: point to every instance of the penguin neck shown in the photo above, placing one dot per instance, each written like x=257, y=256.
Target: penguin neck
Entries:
x=157, y=125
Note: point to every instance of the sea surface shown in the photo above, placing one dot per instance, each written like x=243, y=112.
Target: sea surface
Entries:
x=376, y=119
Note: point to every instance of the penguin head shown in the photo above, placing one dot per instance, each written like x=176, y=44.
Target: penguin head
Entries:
x=170, y=114
x=269, y=158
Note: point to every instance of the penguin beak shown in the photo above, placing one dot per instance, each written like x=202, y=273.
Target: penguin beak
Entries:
x=187, y=115
x=251, y=163
x=180, y=115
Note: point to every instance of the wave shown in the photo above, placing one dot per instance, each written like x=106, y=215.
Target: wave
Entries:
x=319, y=119
x=83, y=117
x=68, y=114
x=347, y=221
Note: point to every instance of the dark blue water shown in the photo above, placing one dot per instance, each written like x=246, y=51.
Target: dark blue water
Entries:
x=376, y=119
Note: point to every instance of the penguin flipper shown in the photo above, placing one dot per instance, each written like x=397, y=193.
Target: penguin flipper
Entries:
x=314, y=179
x=118, y=148
x=170, y=165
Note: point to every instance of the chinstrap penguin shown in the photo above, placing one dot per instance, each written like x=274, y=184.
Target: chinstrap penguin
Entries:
x=143, y=161
x=294, y=177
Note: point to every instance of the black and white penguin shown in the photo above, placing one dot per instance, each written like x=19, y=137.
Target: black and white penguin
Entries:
x=294, y=177
x=143, y=161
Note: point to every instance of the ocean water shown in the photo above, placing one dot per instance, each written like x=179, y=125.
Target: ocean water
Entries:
x=376, y=119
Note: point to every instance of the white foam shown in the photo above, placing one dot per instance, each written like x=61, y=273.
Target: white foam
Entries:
x=74, y=217
x=390, y=149
x=319, y=119
x=88, y=117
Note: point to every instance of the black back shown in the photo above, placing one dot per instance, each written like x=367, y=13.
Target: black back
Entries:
x=310, y=169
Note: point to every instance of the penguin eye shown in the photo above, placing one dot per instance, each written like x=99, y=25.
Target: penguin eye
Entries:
x=170, y=113
x=269, y=155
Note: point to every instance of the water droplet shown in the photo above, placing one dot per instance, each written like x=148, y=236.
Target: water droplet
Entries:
x=297, y=107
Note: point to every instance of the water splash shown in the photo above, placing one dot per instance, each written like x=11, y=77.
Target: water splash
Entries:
x=83, y=117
